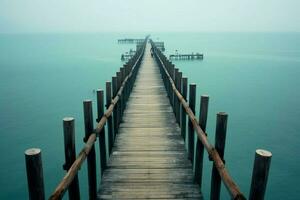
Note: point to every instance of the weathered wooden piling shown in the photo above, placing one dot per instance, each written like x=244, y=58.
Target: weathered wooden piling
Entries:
x=35, y=177
x=91, y=158
x=120, y=103
x=101, y=136
x=70, y=155
x=179, y=77
x=175, y=100
x=220, y=137
x=191, y=136
x=173, y=76
x=260, y=174
x=199, y=146
x=183, y=113
x=115, y=111
x=110, y=128
x=122, y=71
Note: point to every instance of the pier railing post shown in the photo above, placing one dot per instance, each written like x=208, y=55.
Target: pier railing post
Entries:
x=168, y=84
x=115, y=111
x=173, y=93
x=175, y=99
x=260, y=174
x=122, y=71
x=221, y=128
x=179, y=77
x=127, y=71
x=119, y=86
x=102, y=145
x=120, y=102
x=91, y=158
x=199, y=146
x=110, y=128
x=191, y=136
x=35, y=178
x=70, y=155
x=183, y=113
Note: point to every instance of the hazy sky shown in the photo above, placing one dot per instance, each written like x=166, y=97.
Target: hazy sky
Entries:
x=148, y=15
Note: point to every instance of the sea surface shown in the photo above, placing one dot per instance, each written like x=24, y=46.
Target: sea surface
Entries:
x=254, y=77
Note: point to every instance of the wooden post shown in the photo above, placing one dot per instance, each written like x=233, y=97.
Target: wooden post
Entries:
x=70, y=155
x=126, y=85
x=221, y=127
x=260, y=174
x=199, y=146
x=178, y=102
x=102, y=145
x=34, y=170
x=91, y=158
x=175, y=99
x=173, y=94
x=115, y=111
x=192, y=104
x=167, y=83
x=183, y=113
x=110, y=128
x=120, y=102
x=122, y=71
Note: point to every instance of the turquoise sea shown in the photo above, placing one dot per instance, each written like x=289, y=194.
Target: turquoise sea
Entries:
x=254, y=77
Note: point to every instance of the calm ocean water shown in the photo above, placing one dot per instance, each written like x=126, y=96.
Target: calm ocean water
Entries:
x=254, y=77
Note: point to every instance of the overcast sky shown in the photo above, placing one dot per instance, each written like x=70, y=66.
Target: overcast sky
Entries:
x=148, y=15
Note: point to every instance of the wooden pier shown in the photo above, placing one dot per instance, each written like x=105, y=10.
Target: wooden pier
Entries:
x=149, y=119
x=160, y=45
x=196, y=56
x=130, y=41
x=128, y=55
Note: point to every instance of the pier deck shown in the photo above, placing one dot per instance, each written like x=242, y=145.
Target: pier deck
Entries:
x=149, y=160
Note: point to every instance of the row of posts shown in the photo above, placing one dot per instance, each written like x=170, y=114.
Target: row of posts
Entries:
x=33, y=158
x=262, y=157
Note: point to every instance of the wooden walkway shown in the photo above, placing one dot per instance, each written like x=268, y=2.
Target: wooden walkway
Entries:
x=149, y=160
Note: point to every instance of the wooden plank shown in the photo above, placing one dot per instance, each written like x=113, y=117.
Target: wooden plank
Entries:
x=148, y=160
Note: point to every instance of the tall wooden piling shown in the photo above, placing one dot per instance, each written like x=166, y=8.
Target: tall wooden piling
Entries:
x=110, y=128
x=191, y=136
x=123, y=75
x=34, y=170
x=102, y=145
x=175, y=100
x=120, y=103
x=179, y=77
x=126, y=90
x=221, y=128
x=183, y=113
x=70, y=155
x=199, y=146
x=260, y=174
x=115, y=111
x=91, y=158
x=173, y=93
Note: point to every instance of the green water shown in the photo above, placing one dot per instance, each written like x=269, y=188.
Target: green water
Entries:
x=254, y=77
